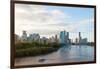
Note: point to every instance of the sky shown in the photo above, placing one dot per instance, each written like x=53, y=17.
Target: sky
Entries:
x=50, y=20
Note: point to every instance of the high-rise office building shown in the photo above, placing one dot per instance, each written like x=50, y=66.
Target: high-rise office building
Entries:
x=84, y=41
x=34, y=37
x=24, y=36
x=64, y=37
x=67, y=38
x=56, y=39
x=68, y=35
x=80, y=38
x=76, y=41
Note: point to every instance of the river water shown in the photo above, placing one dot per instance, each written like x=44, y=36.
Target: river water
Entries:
x=65, y=54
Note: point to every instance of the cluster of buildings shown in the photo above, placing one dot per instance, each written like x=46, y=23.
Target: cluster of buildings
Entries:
x=81, y=40
x=36, y=38
x=62, y=39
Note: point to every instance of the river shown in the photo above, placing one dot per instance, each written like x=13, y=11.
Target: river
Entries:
x=65, y=54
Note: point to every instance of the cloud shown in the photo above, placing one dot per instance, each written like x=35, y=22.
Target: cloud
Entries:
x=38, y=19
x=57, y=12
x=29, y=17
x=82, y=23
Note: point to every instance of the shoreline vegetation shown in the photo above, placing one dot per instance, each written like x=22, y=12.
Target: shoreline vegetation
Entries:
x=25, y=49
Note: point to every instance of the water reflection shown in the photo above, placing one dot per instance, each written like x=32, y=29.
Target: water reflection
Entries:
x=64, y=52
x=74, y=53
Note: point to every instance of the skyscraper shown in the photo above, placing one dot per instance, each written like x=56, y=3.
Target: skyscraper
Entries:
x=56, y=39
x=84, y=41
x=24, y=36
x=80, y=37
x=64, y=37
x=76, y=41
x=34, y=37
x=67, y=37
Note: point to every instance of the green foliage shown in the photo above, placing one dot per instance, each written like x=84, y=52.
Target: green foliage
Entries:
x=34, y=48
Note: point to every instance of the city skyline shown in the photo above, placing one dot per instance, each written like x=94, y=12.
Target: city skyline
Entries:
x=49, y=20
x=79, y=36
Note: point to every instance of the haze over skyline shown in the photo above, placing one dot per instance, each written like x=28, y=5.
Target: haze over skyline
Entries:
x=50, y=20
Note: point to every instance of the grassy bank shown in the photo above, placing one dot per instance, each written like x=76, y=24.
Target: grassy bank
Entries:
x=24, y=49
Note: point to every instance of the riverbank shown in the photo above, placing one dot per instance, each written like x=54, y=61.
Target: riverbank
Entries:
x=65, y=54
x=24, y=49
